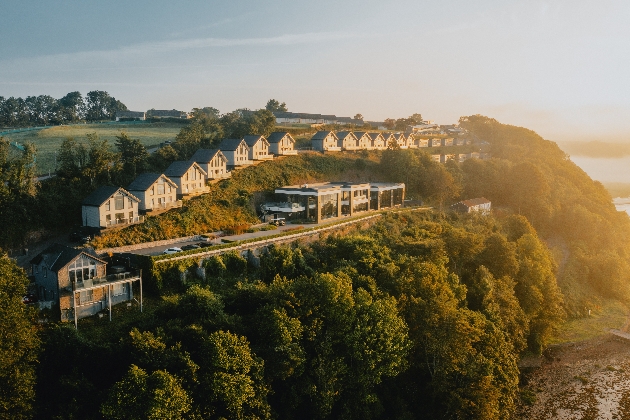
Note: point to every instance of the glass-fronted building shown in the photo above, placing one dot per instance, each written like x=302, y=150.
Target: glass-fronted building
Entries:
x=321, y=201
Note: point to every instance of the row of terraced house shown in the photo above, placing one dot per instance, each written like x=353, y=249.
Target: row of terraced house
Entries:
x=330, y=141
x=151, y=193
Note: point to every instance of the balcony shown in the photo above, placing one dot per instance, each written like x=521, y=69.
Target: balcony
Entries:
x=288, y=152
x=99, y=282
x=161, y=207
x=123, y=222
x=219, y=174
x=284, y=207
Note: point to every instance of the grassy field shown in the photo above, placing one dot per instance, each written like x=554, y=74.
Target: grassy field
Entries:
x=611, y=314
x=48, y=140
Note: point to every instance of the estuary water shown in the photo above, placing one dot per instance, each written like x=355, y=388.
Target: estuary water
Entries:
x=608, y=170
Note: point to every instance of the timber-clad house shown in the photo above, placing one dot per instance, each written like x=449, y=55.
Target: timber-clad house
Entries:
x=76, y=284
x=325, y=141
x=110, y=206
x=258, y=147
x=236, y=151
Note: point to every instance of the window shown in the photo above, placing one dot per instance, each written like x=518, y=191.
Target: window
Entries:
x=120, y=217
x=119, y=289
x=130, y=216
x=160, y=187
x=130, y=203
x=108, y=219
x=86, y=296
x=152, y=191
x=119, y=202
x=82, y=269
x=45, y=271
x=107, y=206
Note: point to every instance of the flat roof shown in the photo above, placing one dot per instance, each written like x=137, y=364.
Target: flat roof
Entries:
x=324, y=187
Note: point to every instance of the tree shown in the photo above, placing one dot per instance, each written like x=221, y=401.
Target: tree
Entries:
x=389, y=123
x=358, y=117
x=140, y=395
x=67, y=159
x=132, y=154
x=275, y=106
x=243, y=122
x=72, y=107
x=18, y=346
x=100, y=106
x=99, y=160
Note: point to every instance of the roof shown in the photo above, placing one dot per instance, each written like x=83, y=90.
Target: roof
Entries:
x=252, y=140
x=475, y=201
x=206, y=155
x=374, y=136
x=343, y=134
x=130, y=114
x=102, y=194
x=230, y=144
x=166, y=113
x=144, y=181
x=180, y=167
x=275, y=137
x=58, y=256
x=321, y=135
x=360, y=134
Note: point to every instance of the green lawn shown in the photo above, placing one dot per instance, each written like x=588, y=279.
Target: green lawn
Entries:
x=611, y=314
x=48, y=140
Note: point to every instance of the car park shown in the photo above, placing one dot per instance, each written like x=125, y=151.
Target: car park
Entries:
x=173, y=250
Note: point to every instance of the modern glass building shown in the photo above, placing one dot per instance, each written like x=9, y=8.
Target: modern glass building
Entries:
x=321, y=201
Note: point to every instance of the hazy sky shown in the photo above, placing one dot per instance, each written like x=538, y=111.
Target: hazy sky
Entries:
x=558, y=67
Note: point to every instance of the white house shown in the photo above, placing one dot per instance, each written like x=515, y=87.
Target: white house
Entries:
x=110, y=206
x=281, y=144
x=155, y=191
x=325, y=141
x=363, y=140
x=236, y=151
x=213, y=161
x=258, y=148
x=347, y=140
x=189, y=177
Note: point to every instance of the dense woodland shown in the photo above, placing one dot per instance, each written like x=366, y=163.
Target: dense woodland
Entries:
x=423, y=314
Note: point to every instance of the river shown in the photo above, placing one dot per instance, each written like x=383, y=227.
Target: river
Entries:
x=608, y=170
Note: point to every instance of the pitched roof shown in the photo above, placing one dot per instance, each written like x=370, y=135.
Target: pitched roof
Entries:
x=230, y=144
x=58, y=256
x=321, y=135
x=206, y=155
x=252, y=140
x=374, y=136
x=343, y=134
x=360, y=134
x=275, y=137
x=180, y=167
x=144, y=181
x=102, y=194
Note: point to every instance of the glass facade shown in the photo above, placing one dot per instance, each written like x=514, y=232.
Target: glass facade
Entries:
x=329, y=205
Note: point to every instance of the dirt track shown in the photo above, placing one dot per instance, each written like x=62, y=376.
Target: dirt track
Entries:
x=586, y=380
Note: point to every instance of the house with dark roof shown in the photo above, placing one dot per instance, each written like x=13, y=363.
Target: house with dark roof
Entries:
x=378, y=141
x=479, y=205
x=75, y=283
x=363, y=140
x=281, y=143
x=236, y=151
x=258, y=147
x=389, y=139
x=155, y=191
x=213, y=161
x=110, y=206
x=131, y=115
x=347, y=140
x=166, y=113
x=400, y=140
x=325, y=141
x=189, y=177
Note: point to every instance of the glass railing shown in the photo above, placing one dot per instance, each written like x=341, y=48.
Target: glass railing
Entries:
x=110, y=278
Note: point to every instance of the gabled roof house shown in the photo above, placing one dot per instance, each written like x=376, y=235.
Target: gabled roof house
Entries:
x=325, y=141
x=110, y=206
x=258, y=147
x=378, y=142
x=156, y=192
x=347, y=140
x=189, y=177
x=213, y=161
x=236, y=151
x=363, y=140
x=281, y=144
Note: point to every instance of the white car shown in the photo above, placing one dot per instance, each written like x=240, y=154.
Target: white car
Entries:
x=174, y=250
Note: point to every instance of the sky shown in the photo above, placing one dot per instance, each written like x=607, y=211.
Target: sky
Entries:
x=557, y=67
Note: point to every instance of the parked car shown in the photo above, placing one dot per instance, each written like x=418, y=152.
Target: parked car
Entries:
x=189, y=247
x=205, y=238
x=30, y=298
x=173, y=250
x=281, y=221
x=204, y=244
